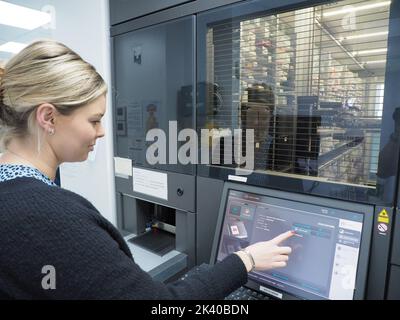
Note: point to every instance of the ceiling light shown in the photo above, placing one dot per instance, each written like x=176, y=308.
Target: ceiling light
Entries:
x=366, y=35
x=12, y=47
x=22, y=17
x=348, y=9
x=375, y=61
x=372, y=51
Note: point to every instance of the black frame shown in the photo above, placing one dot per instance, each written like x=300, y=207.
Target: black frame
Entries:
x=366, y=235
x=385, y=192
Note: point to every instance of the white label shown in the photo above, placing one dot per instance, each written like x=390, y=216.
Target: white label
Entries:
x=236, y=178
x=343, y=278
x=271, y=292
x=123, y=167
x=152, y=183
x=382, y=227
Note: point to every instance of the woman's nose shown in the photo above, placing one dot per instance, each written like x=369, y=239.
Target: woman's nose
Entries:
x=101, y=132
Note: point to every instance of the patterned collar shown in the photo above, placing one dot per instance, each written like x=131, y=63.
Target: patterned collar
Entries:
x=13, y=171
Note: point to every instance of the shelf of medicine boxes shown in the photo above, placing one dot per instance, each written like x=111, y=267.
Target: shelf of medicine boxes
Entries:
x=267, y=56
x=336, y=82
x=257, y=49
x=285, y=60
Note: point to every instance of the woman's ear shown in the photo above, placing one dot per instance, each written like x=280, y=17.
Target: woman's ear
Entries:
x=45, y=116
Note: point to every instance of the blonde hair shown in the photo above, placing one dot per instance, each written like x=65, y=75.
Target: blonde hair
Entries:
x=44, y=72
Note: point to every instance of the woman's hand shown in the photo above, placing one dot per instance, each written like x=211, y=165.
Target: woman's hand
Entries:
x=266, y=255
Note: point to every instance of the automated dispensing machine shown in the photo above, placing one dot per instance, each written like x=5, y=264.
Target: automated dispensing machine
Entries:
x=317, y=81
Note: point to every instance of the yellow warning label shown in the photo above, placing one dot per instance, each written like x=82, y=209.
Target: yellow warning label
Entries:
x=383, y=216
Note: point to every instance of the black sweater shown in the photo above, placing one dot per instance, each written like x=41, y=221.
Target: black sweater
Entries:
x=42, y=225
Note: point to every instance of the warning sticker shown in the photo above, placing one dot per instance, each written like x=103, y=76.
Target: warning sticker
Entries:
x=383, y=216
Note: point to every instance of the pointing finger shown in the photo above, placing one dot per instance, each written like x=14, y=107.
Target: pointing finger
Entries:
x=282, y=237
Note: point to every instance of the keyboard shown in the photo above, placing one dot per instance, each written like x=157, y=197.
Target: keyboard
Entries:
x=240, y=294
x=246, y=294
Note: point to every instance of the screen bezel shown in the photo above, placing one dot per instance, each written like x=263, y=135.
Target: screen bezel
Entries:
x=366, y=210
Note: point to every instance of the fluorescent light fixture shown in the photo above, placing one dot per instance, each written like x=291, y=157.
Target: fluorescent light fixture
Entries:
x=348, y=9
x=366, y=35
x=372, y=51
x=12, y=47
x=22, y=17
x=375, y=61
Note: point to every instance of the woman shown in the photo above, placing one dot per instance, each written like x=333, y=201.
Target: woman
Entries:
x=51, y=105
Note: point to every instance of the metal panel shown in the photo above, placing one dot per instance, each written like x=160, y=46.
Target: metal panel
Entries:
x=123, y=10
x=154, y=89
x=396, y=240
x=186, y=235
x=379, y=256
x=170, y=268
x=169, y=14
x=388, y=166
x=209, y=193
x=176, y=184
x=120, y=222
x=394, y=287
x=135, y=214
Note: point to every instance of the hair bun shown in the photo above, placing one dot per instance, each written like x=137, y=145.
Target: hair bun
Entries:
x=5, y=112
x=1, y=89
x=7, y=116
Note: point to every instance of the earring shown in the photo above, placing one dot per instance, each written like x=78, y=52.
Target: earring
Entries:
x=51, y=131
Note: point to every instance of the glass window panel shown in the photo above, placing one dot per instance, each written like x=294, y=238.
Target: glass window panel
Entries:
x=309, y=82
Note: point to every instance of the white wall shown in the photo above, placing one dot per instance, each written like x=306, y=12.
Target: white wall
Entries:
x=84, y=27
